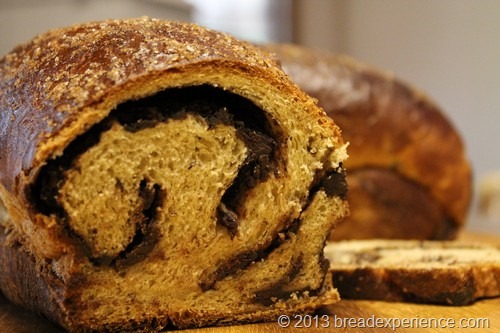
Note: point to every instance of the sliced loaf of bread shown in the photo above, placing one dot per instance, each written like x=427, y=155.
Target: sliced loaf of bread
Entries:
x=157, y=174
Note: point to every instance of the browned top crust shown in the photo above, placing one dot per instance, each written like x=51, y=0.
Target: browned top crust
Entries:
x=388, y=123
x=62, y=82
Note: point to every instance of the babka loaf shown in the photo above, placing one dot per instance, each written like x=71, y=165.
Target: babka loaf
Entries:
x=408, y=173
x=440, y=272
x=160, y=174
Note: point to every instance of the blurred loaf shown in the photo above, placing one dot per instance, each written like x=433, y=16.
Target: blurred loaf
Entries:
x=408, y=173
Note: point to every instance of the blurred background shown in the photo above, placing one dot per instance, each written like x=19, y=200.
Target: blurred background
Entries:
x=448, y=48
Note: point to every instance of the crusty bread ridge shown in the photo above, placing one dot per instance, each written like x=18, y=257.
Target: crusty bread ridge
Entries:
x=440, y=272
x=157, y=173
x=409, y=176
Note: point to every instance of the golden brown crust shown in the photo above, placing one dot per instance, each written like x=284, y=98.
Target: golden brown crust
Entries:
x=59, y=85
x=50, y=97
x=389, y=125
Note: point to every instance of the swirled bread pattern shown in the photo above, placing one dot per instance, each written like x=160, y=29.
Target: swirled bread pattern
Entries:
x=157, y=173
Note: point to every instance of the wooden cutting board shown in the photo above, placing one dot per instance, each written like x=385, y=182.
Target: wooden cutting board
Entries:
x=345, y=316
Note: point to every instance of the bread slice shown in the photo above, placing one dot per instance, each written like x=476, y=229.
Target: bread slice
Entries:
x=441, y=272
x=160, y=174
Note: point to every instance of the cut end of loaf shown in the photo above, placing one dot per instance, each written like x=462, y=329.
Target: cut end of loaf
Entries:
x=158, y=173
x=185, y=206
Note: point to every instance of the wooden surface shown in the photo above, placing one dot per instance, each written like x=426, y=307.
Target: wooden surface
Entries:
x=345, y=316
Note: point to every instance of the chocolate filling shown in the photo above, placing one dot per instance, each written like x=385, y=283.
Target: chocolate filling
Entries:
x=333, y=183
x=256, y=167
x=146, y=236
x=215, y=106
x=228, y=219
x=226, y=268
